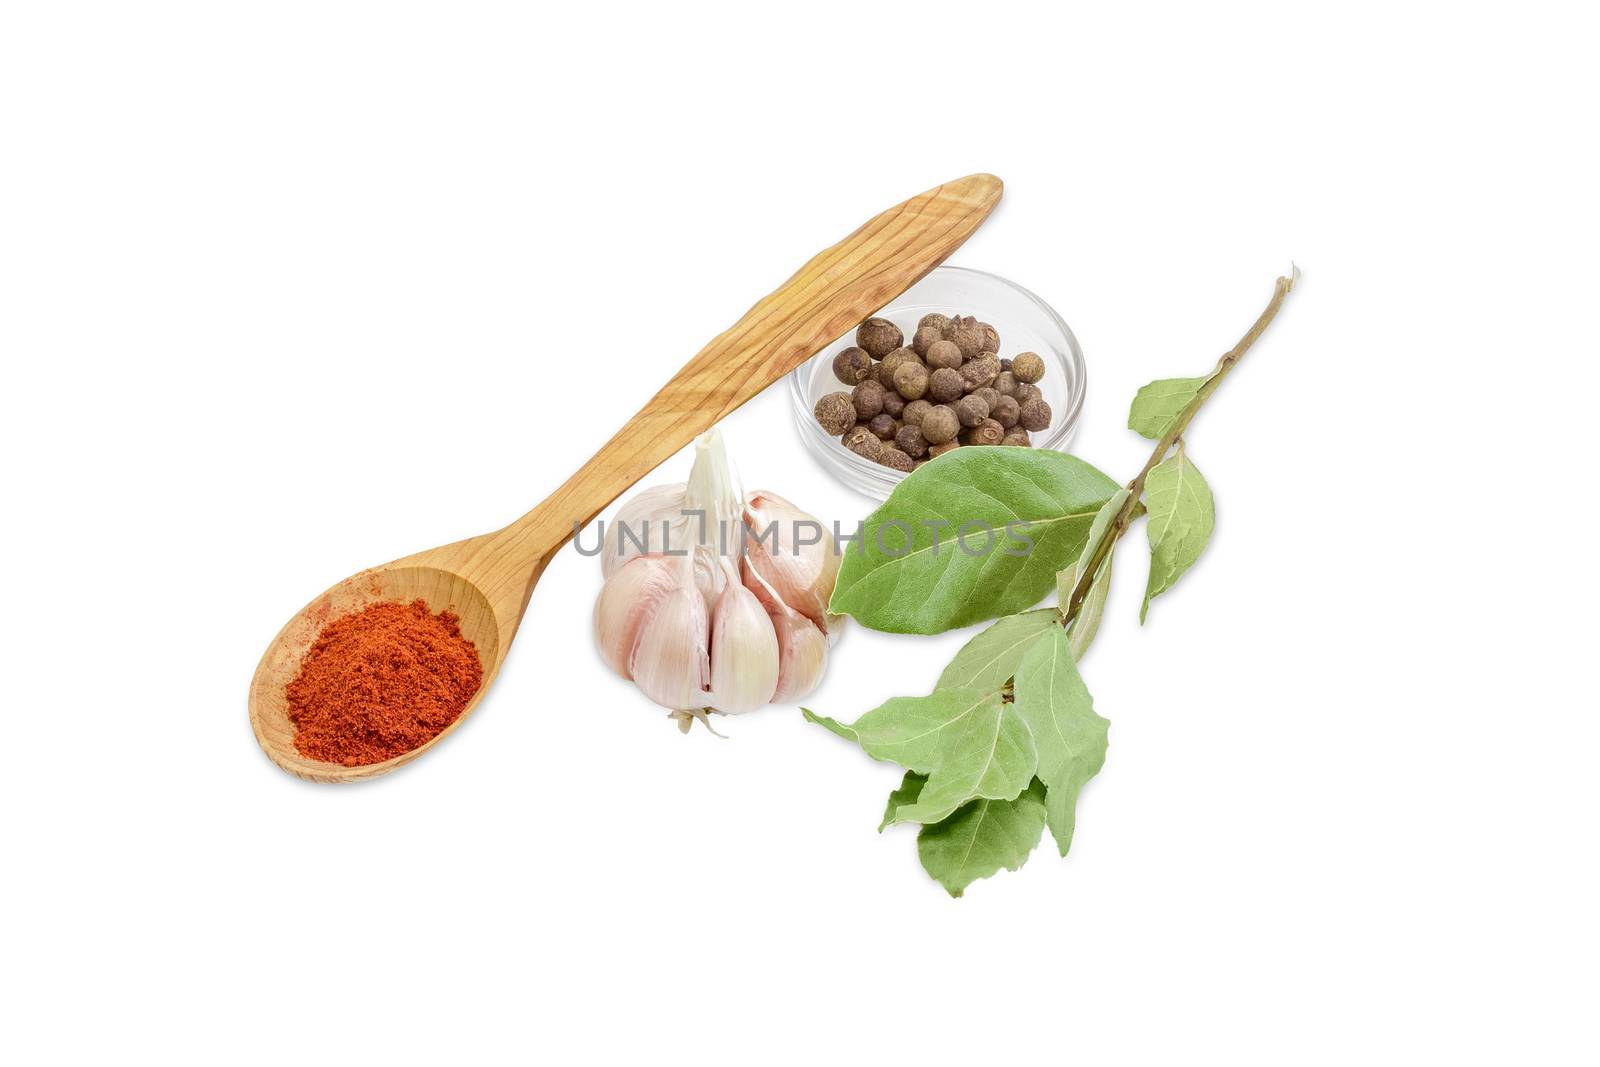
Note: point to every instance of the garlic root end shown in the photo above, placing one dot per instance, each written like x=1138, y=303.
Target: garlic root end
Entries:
x=687, y=717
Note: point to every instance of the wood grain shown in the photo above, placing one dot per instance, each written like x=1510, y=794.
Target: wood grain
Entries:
x=487, y=580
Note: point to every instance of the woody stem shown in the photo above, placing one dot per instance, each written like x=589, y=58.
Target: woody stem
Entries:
x=1119, y=524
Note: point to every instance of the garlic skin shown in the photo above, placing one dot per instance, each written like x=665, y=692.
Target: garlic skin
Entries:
x=697, y=612
x=626, y=602
x=671, y=660
x=802, y=648
x=802, y=575
x=744, y=652
x=643, y=515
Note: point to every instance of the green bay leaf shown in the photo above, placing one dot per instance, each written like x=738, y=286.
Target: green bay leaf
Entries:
x=1087, y=623
x=982, y=838
x=910, y=788
x=914, y=732
x=908, y=574
x=1068, y=579
x=990, y=659
x=1181, y=517
x=967, y=742
x=831, y=725
x=1071, y=739
x=989, y=755
x=1158, y=404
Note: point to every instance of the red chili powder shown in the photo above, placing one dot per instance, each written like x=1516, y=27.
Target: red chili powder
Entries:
x=381, y=681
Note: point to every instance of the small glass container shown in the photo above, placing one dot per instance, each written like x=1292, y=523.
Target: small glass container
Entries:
x=1025, y=324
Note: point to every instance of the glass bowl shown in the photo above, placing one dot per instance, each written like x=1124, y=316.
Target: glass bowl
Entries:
x=1025, y=324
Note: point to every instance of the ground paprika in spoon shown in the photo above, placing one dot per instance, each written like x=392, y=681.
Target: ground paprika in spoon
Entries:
x=381, y=681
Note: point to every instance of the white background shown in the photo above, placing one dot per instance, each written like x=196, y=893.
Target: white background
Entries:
x=290, y=289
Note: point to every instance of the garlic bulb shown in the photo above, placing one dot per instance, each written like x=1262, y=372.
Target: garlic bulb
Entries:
x=714, y=601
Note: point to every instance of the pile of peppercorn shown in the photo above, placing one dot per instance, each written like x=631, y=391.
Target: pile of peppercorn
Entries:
x=948, y=388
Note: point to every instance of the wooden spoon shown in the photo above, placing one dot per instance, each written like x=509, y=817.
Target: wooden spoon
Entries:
x=487, y=580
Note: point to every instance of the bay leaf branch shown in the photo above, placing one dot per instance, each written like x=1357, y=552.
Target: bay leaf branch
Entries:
x=1119, y=524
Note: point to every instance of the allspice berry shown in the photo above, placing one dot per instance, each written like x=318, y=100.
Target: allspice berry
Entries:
x=912, y=416
x=910, y=441
x=943, y=354
x=897, y=357
x=977, y=373
x=935, y=451
x=1024, y=392
x=937, y=321
x=971, y=410
x=854, y=434
x=944, y=385
x=967, y=333
x=991, y=396
x=940, y=425
x=866, y=445
x=1005, y=383
x=991, y=337
x=868, y=398
x=852, y=366
x=836, y=413
x=893, y=403
x=893, y=457
x=1035, y=415
x=911, y=380
x=1017, y=439
x=883, y=427
x=987, y=432
x=1006, y=411
x=1028, y=367
x=924, y=338
x=879, y=337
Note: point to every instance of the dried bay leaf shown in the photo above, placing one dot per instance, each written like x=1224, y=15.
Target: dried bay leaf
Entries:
x=833, y=726
x=1087, y=623
x=982, y=838
x=1071, y=739
x=910, y=788
x=990, y=756
x=1181, y=518
x=990, y=659
x=1157, y=405
x=912, y=731
x=1031, y=508
x=967, y=742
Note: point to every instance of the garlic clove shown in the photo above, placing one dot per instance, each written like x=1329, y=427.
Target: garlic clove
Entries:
x=744, y=651
x=802, y=661
x=671, y=662
x=627, y=601
x=802, y=647
x=649, y=523
x=803, y=575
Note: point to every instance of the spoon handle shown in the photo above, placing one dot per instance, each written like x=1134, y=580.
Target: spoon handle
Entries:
x=833, y=292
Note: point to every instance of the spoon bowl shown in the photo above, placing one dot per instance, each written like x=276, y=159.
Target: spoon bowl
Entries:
x=442, y=590
x=487, y=580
